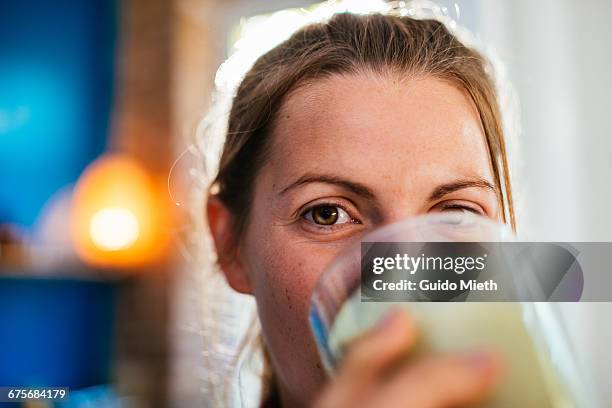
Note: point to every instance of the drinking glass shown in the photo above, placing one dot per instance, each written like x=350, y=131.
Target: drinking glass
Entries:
x=539, y=366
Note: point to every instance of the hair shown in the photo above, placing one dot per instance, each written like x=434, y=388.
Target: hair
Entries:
x=351, y=44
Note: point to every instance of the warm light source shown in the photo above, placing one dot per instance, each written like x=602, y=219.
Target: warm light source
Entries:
x=117, y=216
x=113, y=229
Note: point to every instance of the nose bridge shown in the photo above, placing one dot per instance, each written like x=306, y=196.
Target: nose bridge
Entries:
x=403, y=196
x=399, y=209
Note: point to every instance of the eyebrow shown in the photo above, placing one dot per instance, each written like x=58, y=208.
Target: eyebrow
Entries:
x=448, y=188
x=367, y=193
x=346, y=184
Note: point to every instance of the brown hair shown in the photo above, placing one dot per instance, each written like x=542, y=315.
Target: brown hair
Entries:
x=350, y=43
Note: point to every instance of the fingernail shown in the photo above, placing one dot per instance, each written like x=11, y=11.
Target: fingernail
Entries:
x=387, y=319
x=480, y=360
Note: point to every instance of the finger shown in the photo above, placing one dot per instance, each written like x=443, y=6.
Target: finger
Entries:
x=372, y=353
x=443, y=382
x=368, y=356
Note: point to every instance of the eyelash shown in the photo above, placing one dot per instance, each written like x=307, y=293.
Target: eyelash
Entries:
x=461, y=207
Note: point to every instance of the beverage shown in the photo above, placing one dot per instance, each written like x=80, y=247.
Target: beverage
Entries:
x=529, y=378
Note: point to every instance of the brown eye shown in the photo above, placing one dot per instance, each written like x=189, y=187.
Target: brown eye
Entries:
x=327, y=215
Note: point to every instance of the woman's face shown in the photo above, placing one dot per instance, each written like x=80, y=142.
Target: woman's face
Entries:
x=350, y=153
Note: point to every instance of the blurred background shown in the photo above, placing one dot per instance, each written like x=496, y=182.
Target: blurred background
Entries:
x=99, y=99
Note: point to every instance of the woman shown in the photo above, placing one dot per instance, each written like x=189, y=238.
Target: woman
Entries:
x=350, y=124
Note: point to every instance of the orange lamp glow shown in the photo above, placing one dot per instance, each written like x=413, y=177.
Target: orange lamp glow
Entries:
x=117, y=216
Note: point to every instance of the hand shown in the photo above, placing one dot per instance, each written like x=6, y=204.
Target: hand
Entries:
x=371, y=377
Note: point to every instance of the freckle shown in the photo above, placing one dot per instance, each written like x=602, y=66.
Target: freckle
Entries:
x=318, y=366
x=287, y=117
x=288, y=298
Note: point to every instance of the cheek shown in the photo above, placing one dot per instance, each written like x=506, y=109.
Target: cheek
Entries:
x=283, y=273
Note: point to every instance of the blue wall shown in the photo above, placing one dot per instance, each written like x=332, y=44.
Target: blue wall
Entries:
x=55, y=332
x=56, y=80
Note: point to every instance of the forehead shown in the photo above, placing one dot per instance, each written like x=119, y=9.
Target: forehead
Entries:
x=372, y=125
